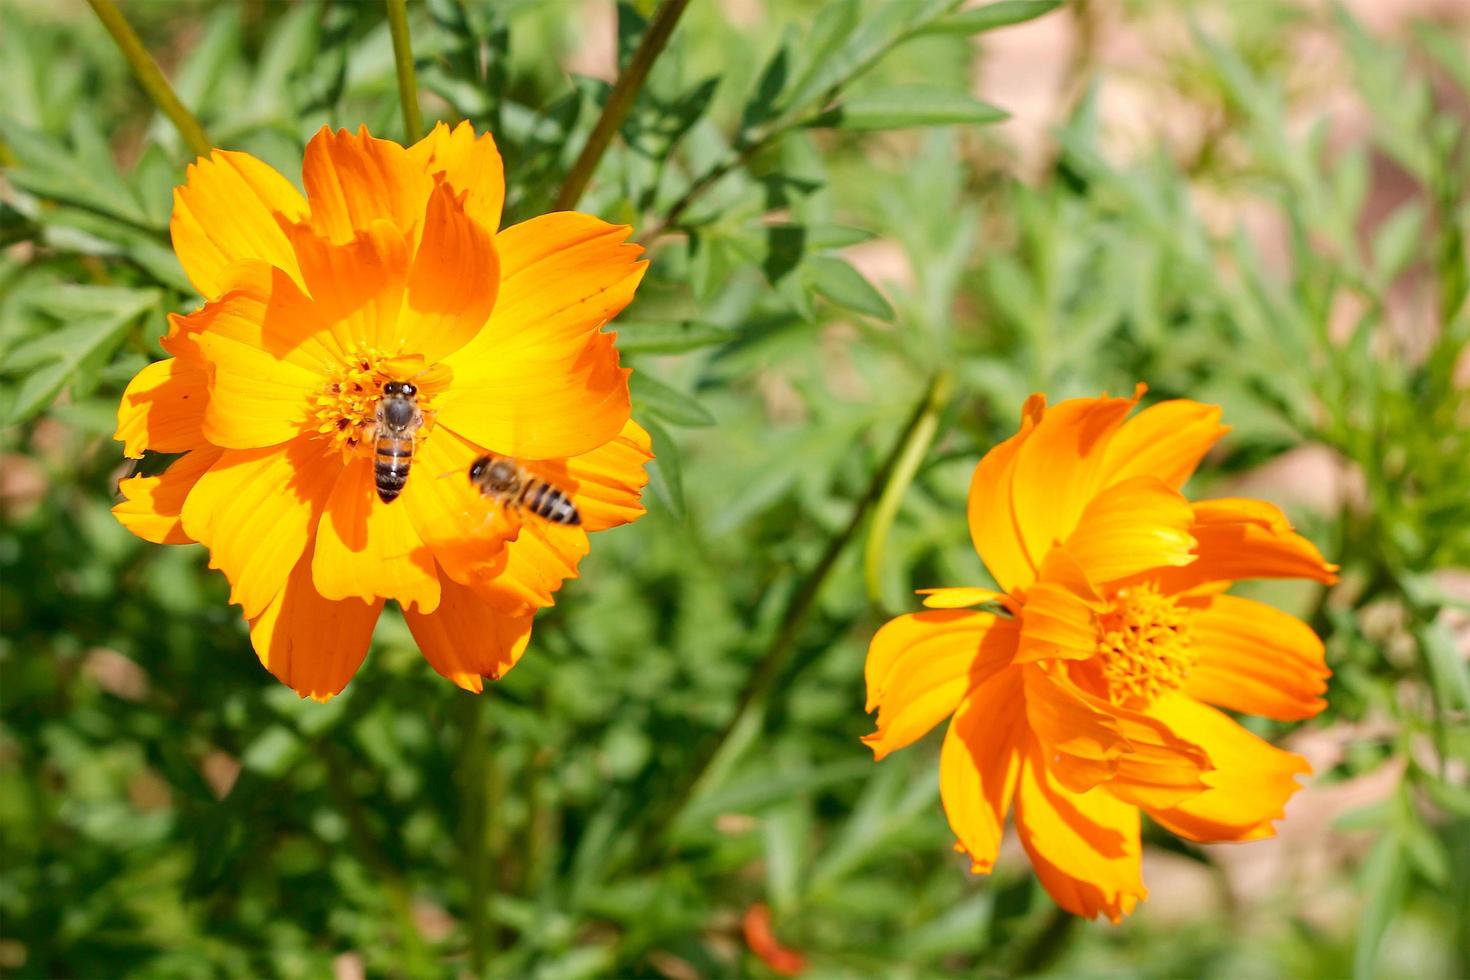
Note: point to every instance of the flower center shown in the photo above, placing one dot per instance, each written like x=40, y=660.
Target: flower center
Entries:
x=345, y=411
x=1146, y=648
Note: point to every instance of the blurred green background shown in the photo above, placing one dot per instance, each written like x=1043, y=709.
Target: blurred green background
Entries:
x=1263, y=205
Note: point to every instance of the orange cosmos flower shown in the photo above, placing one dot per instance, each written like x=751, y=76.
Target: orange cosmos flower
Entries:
x=390, y=269
x=1086, y=695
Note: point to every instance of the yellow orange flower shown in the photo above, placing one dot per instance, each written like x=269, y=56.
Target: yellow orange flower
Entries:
x=1090, y=690
x=392, y=267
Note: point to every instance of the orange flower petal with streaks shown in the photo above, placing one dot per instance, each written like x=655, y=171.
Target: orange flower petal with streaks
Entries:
x=979, y=763
x=231, y=207
x=606, y=483
x=1084, y=846
x=469, y=164
x=921, y=665
x=540, y=381
x=959, y=597
x=1134, y=525
x=358, y=286
x=367, y=549
x=1059, y=614
x=1059, y=468
x=254, y=510
x=162, y=408
x=536, y=564
x=1257, y=660
x=151, y=504
x=452, y=283
x=467, y=639
x=353, y=181
x=314, y=645
x=1240, y=538
x=991, y=509
x=1165, y=441
x=1082, y=742
x=1250, y=785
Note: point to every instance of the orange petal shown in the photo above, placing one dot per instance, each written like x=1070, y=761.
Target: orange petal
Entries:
x=1258, y=660
x=1060, y=467
x=1130, y=527
x=452, y=283
x=540, y=381
x=961, y=597
x=231, y=207
x=313, y=644
x=1241, y=538
x=1082, y=742
x=151, y=504
x=163, y=408
x=358, y=286
x=368, y=549
x=254, y=509
x=354, y=181
x=263, y=307
x=1165, y=441
x=606, y=483
x=1250, y=785
x=469, y=165
x=1059, y=613
x=991, y=509
x=979, y=763
x=1084, y=846
x=1161, y=767
x=467, y=639
x=536, y=564
x=919, y=667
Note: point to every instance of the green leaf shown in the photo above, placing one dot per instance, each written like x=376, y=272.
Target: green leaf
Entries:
x=1450, y=673
x=898, y=108
x=991, y=16
x=1385, y=877
x=664, y=474
x=666, y=403
x=839, y=282
x=668, y=336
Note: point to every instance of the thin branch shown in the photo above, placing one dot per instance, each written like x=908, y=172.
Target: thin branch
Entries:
x=151, y=77
x=619, y=101
x=408, y=86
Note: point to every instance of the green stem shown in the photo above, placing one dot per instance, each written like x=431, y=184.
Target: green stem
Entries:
x=408, y=87
x=619, y=101
x=899, y=479
x=476, y=775
x=151, y=77
x=758, y=685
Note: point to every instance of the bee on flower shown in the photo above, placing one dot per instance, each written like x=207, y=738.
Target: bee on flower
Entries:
x=356, y=344
x=1087, y=689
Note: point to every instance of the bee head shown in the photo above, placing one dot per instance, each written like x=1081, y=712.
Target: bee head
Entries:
x=477, y=468
x=400, y=388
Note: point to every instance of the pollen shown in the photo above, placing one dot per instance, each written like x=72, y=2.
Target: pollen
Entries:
x=344, y=412
x=1146, y=648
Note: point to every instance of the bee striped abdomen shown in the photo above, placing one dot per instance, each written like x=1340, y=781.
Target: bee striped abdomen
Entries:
x=549, y=502
x=391, y=458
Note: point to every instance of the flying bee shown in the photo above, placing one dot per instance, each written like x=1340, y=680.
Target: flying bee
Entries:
x=502, y=479
x=398, y=422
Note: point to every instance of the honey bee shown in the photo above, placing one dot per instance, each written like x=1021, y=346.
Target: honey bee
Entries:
x=398, y=422
x=502, y=479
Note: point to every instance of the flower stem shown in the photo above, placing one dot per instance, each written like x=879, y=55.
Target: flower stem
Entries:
x=408, y=87
x=753, y=696
x=899, y=478
x=477, y=774
x=619, y=101
x=151, y=77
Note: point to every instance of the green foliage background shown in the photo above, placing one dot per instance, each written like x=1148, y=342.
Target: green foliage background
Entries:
x=167, y=809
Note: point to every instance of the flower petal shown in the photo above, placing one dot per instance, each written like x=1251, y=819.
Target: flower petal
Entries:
x=151, y=504
x=1250, y=785
x=231, y=207
x=1258, y=660
x=991, y=509
x=1081, y=742
x=1132, y=526
x=254, y=510
x=1060, y=468
x=367, y=549
x=1241, y=538
x=453, y=281
x=540, y=381
x=979, y=763
x=357, y=286
x=467, y=639
x=470, y=165
x=605, y=483
x=163, y=408
x=536, y=564
x=313, y=644
x=1165, y=441
x=354, y=181
x=1059, y=614
x=919, y=667
x=960, y=597
x=1084, y=846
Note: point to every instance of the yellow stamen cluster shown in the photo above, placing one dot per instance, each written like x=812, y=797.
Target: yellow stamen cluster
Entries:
x=1146, y=648
x=345, y=410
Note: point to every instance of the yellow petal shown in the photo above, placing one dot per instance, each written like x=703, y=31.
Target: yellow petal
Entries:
x=354, y=181
x=1165, y=441
x=231, y=208
x=358, y=286
x=961, y=597
x=1082, y=742
x=1240, y=538
x=467, y=639
x=1059, y=613
x=606, y=483
x=1258, y=660
x=991, y=507
x=536, y=564
x=469, y=165
x=452, y=283
x=979, y=763
x=1133, y=526
x=162, y=408
x=151, y=504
